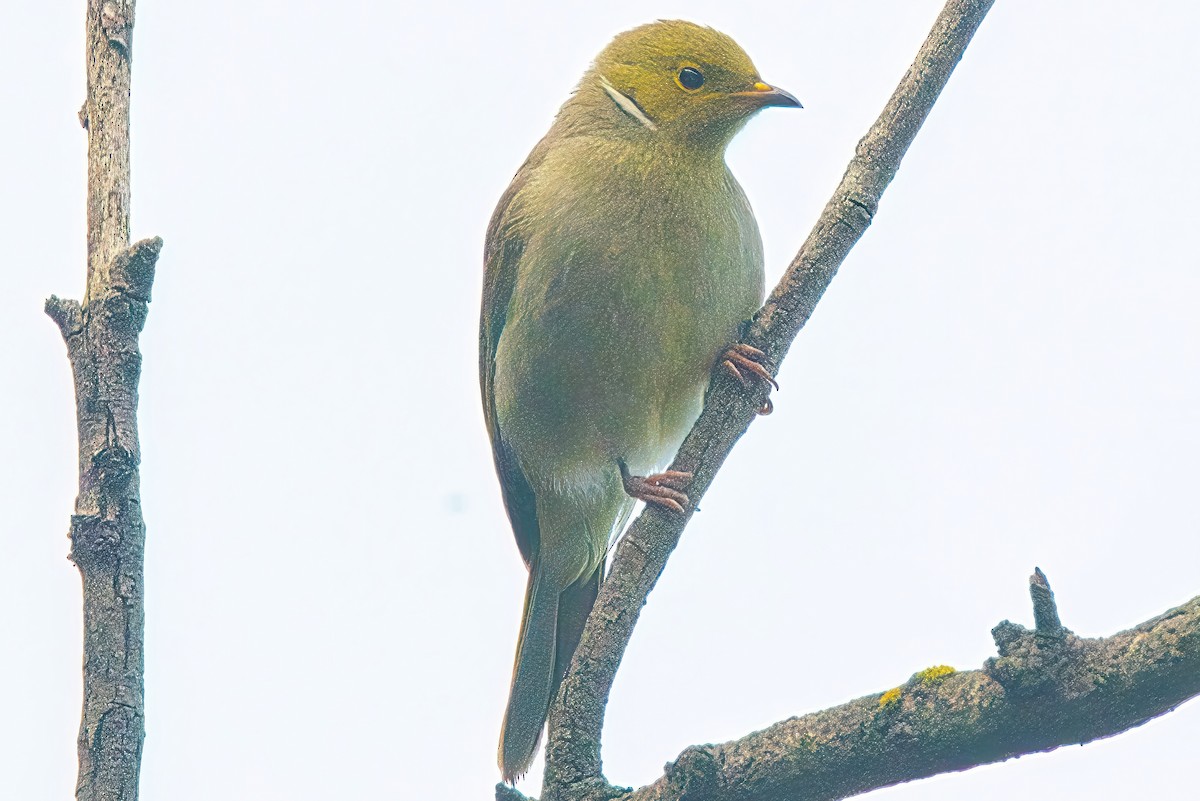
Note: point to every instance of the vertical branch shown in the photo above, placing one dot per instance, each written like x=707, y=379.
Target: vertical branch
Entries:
x=573, y=766
x=105, y=115
x=107, y=532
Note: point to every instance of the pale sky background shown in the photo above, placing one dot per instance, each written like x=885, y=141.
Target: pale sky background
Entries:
x=1004, y=375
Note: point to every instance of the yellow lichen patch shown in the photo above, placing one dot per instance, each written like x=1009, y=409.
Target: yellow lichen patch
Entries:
x=934, y=674
x=892, y=696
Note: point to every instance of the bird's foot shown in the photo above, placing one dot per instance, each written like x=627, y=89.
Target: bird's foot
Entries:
x=742, y=357
x=662, y=489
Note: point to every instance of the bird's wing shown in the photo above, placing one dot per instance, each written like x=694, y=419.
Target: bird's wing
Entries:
x=502, y=256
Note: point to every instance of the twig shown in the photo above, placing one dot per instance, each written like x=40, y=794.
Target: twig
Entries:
x=1045, y=610
x=577, y=717
x=107, y=531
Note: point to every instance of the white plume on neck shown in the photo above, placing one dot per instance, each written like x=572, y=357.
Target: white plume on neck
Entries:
x=626, y=104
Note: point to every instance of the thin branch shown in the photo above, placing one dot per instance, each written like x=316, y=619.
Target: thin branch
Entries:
x=573, y=767
x=105, y=116
x=107, y=532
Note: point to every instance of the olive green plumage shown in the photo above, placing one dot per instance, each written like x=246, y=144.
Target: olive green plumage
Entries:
x=619, y=265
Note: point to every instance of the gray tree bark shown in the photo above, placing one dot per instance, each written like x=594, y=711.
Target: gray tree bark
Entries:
x=1035, y=696
x=107, y=531
x=1047, y=688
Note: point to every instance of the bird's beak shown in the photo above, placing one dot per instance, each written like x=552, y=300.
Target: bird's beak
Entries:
x=763, y=95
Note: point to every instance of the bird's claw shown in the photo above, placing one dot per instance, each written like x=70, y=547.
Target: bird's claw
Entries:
x=662, y=489
x=745, y=357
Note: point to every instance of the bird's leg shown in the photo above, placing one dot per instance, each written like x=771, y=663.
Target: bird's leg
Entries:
x=741, y=357
x=662, y=489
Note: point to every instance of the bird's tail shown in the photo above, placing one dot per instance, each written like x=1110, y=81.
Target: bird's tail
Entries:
x=533, y=676
x=550, y=631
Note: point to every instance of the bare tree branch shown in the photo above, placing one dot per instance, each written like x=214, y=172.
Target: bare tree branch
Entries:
x=1047, y=688
x=107, y=531
x=573, y=767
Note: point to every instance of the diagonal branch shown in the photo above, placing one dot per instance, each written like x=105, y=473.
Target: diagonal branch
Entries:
x=107, y=531
x=573, y=767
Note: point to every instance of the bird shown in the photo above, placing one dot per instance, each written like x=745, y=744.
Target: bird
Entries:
x=619, y=267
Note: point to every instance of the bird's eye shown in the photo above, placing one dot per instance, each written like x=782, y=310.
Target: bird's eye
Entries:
x=690, y=78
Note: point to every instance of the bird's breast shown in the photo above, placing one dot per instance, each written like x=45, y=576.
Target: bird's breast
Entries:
x=630, y=284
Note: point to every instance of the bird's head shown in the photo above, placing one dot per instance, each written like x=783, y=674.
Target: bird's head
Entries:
x=681, y=81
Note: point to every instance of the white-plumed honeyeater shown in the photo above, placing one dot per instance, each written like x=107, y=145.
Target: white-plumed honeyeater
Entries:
x=619, y=266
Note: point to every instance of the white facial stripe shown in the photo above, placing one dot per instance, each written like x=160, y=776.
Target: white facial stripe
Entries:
x=627, y=105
